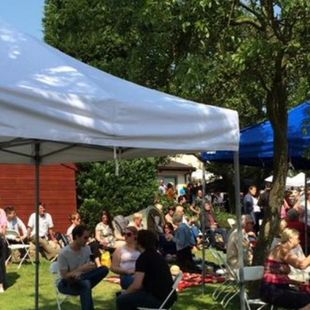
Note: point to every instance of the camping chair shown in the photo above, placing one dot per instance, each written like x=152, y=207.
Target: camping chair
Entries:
x=60, y=298
x=254, y=273
x=174, y=288
x=11, y=236
x=225, y=292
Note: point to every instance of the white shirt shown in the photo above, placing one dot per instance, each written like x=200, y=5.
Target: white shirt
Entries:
x=45, y=223
x=17, y=225
x=256, y=207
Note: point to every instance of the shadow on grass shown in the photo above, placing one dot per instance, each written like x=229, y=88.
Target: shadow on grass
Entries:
x=11, y=279
x=195, y=298
x=73, y=303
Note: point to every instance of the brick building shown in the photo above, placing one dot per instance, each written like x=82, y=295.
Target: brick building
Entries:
x=58, y=191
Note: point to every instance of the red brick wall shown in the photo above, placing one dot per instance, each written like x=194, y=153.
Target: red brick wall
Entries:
x=58, y=191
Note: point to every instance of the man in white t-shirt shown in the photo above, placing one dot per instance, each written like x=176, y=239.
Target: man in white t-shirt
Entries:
x=79, y=274
x=50, y=249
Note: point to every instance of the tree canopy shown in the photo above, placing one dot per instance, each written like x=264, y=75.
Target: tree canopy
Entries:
x=248, y=55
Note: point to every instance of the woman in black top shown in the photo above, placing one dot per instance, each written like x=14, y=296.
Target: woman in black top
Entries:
x=152, y=280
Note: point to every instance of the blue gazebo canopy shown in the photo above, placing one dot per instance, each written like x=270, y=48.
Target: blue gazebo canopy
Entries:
x=256, y=142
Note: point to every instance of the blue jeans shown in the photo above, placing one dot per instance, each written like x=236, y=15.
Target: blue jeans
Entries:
x=138, y=299
x=126, y=280
x=83, y=287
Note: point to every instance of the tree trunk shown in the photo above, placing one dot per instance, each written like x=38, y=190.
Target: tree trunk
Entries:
x=271, y=219
x=277, y=111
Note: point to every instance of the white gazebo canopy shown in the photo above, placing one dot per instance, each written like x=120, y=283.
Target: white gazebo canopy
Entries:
x=56, y=109
x=71, y=107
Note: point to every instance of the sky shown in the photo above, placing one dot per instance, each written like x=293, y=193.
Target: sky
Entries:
x=25, y=15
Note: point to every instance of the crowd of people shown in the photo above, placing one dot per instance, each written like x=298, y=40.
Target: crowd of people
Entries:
x=286, y=268
x=141, y=257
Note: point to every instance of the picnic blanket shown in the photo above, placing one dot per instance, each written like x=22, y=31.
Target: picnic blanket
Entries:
x=188, y=280
x=195, y=279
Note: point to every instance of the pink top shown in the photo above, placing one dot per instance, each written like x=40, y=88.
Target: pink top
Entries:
x=3, y=221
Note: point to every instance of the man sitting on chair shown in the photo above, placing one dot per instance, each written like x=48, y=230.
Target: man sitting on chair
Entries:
x=152, y=279
x=50, y=250
x=15, y=223
x=79, y=274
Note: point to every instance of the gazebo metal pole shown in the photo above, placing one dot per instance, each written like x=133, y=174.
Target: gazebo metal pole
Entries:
x=37, y=201
x=203, y=222
x=306, y=216
x=239, y=227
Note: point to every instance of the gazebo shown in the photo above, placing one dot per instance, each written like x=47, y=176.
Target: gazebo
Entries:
x=56, y=109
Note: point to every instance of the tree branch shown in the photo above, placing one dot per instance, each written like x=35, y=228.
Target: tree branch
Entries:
x=247, y=22
x=274, y=24
x=247, y=8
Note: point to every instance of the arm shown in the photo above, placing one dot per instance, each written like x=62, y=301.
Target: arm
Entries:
x=136, y=284
x=51, y=234
x=3, y=222
x=248, y=204
x=296, y=262
x=98, y=236
x=50, y=228
x=194, y=209
x=22, y=229
x=76, y=273
x=30, y=225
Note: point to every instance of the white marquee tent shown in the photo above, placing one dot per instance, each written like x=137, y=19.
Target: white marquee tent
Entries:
x=296, y=181
x=56, y=109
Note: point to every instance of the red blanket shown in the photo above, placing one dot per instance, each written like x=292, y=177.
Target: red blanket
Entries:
x=188, y=280
x=195, y=279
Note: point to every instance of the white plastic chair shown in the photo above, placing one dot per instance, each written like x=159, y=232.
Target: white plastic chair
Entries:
x=173, y=289
x=12, y=235
x=254, y=273
x=60, y=298
x=227, y=290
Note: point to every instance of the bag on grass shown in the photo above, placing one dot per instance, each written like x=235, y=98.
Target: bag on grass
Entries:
x=106, y=259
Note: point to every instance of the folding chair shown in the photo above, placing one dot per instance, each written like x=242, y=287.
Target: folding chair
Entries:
x=60, y=298
x=174, y=288
x=254, y=273
x=11, y=236
x=230, y=287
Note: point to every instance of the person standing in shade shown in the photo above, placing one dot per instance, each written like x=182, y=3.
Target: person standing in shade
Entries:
x=152, y=279
x=79, y=274
x=248, y=202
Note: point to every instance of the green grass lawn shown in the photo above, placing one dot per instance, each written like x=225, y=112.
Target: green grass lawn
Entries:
x=20, y=293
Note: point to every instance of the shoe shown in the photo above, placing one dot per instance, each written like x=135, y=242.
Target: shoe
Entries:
x=1, y=289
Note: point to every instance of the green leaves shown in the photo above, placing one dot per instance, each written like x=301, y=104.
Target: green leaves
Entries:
x=100, y=189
